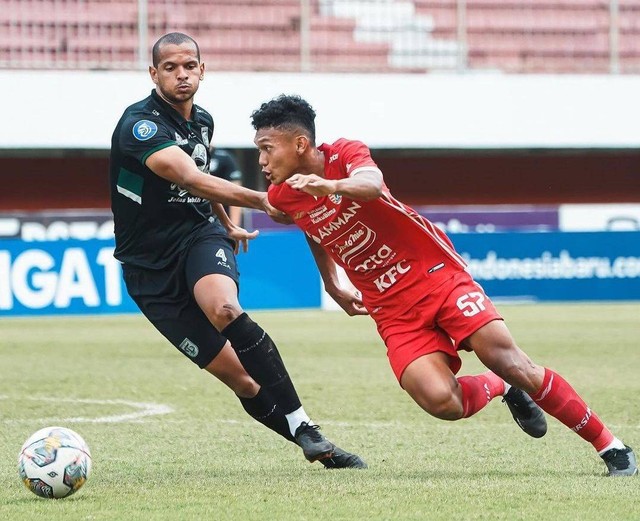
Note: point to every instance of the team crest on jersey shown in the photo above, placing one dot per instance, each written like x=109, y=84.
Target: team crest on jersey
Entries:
x=144, y=130
x=199, y=155
x=335, y=198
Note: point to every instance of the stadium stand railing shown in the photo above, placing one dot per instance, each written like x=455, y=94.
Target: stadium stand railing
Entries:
x=518, y=36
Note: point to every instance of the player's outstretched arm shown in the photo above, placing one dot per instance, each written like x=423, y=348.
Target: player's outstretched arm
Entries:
x=175, y=165
x=366, y=185
x=347, y=299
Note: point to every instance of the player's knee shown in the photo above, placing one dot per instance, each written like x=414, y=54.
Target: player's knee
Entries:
x=239, y=382
x=450, y=409
x=444, y=406
x=245, y=387
x=222, y=314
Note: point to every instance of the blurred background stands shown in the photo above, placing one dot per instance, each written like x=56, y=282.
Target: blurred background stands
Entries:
x=519, y=36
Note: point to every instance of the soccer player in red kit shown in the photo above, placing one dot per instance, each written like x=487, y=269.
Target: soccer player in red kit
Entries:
x=412, y=282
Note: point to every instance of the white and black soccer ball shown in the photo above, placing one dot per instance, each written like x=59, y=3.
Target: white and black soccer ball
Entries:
x=54, y=462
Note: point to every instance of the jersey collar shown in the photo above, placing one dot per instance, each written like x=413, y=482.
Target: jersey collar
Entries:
x=170, y=111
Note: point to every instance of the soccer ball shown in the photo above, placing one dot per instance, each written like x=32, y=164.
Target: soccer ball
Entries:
x=54, y=462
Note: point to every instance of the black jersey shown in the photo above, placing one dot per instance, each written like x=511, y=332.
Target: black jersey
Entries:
x=154, y=218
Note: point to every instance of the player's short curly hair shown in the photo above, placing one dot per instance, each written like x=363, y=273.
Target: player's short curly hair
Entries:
x=287, y=112
x=175, y=39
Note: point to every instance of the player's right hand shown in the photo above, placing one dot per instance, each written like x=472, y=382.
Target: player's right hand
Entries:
x=274, y=213
x=241, y=237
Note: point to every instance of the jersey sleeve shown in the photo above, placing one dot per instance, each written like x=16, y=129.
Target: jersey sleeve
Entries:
x=142, y=136
x=355, y=157
x=273, y=197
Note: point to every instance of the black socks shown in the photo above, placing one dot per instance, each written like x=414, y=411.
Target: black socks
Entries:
x=261, y=359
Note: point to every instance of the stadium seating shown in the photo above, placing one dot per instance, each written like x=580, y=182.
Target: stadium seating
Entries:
x=540, y=35
x=362, y=35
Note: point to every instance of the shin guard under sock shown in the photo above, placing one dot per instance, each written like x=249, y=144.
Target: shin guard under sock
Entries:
x=561, y=401
x=262, y=408
x=478, y=391
x=261, y=359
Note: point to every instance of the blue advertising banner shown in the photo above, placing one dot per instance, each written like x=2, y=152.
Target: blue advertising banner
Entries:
x=61, y=277
x=554, y=266
x=82, y=277
x=278, y=272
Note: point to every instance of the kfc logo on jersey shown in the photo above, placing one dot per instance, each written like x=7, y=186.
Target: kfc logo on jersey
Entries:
x=352, y=242
x=384, y=282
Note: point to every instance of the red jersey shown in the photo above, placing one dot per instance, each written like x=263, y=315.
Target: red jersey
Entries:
x=390, y=253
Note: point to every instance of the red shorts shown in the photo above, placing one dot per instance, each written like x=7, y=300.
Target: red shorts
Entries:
x=439, y=322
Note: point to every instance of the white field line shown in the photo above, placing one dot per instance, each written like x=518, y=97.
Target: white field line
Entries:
x=146, y=409
x=143, y=409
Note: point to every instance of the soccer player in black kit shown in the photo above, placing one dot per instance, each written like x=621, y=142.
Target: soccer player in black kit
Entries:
x=177, y=247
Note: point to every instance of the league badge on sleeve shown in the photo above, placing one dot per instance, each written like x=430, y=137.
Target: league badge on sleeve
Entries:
x=144, y=130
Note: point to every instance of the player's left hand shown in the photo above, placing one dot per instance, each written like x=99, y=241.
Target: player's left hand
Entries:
x=312, y=184
x=350, y=301
x=241, y=237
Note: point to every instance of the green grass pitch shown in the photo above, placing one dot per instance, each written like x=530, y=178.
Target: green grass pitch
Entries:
x=171, y=443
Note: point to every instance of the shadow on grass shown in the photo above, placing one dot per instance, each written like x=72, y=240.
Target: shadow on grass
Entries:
x=33, y=499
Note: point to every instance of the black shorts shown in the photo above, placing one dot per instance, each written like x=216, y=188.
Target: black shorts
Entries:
x=165, y=296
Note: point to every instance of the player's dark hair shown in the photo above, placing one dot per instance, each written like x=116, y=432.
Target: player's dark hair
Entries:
x=287, y=112
x=175, y=39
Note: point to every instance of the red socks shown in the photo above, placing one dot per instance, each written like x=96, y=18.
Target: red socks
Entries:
x=560, y=400
x=478, y=391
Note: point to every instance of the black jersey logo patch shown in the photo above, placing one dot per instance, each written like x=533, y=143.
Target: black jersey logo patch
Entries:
x=189, y=348
x=199, y=155
x=144, y=130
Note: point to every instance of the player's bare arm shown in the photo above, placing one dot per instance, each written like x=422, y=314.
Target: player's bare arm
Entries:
x=347, y=299
x=363, y=186
x=174, y=165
